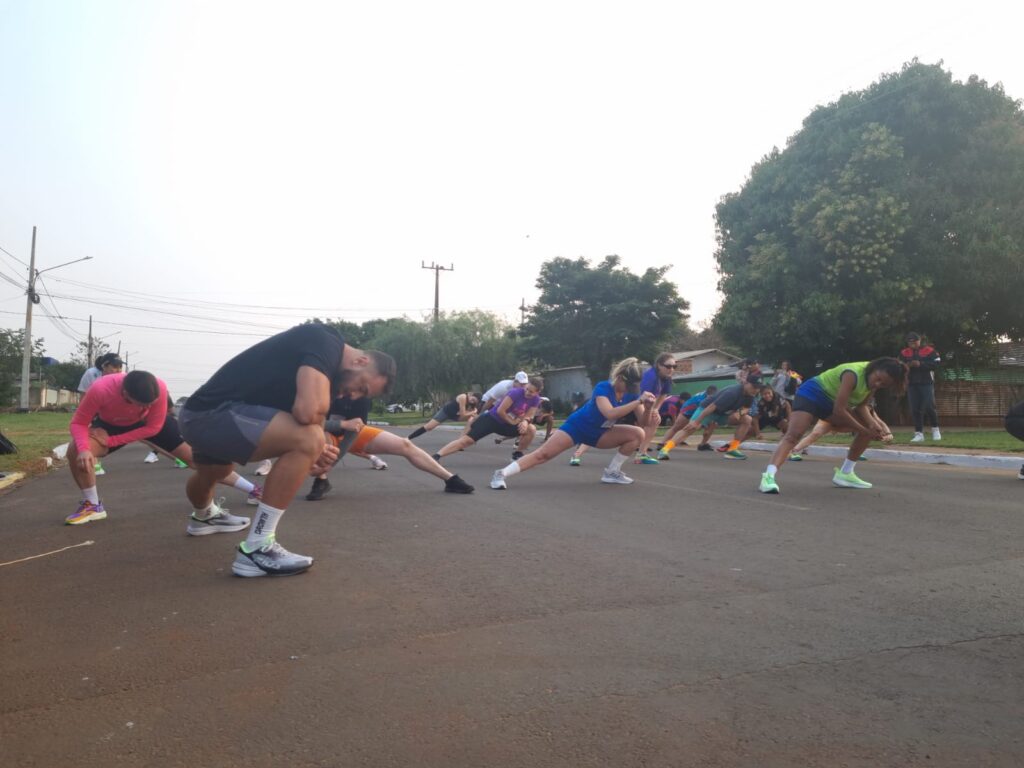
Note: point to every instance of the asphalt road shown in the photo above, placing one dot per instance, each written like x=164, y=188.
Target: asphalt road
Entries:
x=685, y=620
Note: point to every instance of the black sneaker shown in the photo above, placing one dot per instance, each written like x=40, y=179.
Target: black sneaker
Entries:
x=436, y=457
x=1020, y=475
x=517, y=455
x=320, y=488
x=456, y=484
x=705, y=447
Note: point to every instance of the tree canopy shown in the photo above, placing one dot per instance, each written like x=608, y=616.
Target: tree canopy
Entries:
x=899, y=207
x=593, y=316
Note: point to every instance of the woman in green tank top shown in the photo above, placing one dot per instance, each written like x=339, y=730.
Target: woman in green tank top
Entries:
x=841, y=396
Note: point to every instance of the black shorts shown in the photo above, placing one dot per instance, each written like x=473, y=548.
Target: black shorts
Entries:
x=1015, y=426
x=805, y=404
x=765, y=421
x=488, y=425
x=167, y=439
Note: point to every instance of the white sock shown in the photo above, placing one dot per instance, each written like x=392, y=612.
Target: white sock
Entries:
x=244, y=485
x=772, y=469
x=91, y=494
x=511, y=469
x=848, y=466
x=615, y=465
x=263, y=525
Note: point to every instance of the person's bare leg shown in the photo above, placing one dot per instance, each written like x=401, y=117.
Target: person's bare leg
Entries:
x=649, y=431
x=184, y=453
x=84, y=478
x=798, y=425
x=456, y=445
x=394, y=445
x=527, y=437
x=821, y=429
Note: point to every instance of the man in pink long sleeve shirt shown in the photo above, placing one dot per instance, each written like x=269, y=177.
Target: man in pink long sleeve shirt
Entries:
x=119, y=409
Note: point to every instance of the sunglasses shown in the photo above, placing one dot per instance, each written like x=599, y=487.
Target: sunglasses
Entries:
x=666, y=365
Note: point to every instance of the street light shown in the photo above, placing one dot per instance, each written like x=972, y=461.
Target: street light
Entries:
x=33, y=298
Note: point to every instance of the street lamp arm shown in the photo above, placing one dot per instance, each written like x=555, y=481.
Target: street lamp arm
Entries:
x=66, y=263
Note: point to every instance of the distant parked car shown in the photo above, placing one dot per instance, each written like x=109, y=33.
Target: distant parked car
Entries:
x=395, y=408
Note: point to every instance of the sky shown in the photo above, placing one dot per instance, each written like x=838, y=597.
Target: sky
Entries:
x=233, y=168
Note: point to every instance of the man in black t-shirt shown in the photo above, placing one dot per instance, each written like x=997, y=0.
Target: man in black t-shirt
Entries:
x=1015, y=426
x=271, y=401
x=348, y=423
x=730, y=407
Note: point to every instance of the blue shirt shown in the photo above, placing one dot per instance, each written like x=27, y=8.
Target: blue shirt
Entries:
x=589, y=417
x=652, y=383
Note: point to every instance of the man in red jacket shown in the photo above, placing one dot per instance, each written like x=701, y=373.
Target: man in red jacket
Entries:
x=922, y=359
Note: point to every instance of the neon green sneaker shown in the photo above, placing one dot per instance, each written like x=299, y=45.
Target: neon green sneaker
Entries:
x=768, y=484
x=849, y=480
x=795, y=457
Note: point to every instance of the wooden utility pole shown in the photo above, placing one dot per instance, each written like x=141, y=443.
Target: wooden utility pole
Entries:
x=438, y=269
x=88, y=357
x=26, y=356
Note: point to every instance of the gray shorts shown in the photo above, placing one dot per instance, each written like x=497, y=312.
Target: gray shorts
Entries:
x=228, y=434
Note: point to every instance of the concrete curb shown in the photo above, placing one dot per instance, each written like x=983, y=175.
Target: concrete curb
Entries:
x=874, y=454
x=10, y=479
x=909, y=457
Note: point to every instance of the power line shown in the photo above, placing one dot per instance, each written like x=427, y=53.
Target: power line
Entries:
x=23, y=263
x=154, y=327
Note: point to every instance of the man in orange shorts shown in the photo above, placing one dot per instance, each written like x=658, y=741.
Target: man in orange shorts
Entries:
x=347, y=425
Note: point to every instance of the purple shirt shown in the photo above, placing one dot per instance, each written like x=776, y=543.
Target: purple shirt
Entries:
x=651, y=383
x=520, y=403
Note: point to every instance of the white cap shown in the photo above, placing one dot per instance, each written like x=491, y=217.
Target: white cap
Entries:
x=522, y=378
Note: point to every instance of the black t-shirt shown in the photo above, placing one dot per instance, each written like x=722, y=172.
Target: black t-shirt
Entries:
x=730, y=399
x=265, y=373
x=346, y=408
x=1016, y=411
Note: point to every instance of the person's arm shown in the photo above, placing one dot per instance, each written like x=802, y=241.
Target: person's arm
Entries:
x=84, y=413
x=842, y=416
x=312, y=396
x=503, y=413
x=464, y=412
x=616, y=412
x=155, y=418
x=869, y=416
x=930, y=361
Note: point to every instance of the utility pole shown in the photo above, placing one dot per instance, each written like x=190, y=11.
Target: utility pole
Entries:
x=33, y=298
x=88, y=357
x=522, y=312
x=438, y=269
x=26, y=355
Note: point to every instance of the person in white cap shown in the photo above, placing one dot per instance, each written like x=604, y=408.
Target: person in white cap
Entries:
x=496, y=394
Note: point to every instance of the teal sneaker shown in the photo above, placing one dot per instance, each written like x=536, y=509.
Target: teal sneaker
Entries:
x=645, y=459
x=768, y=484
x=737, y=454
x=848, y=480
x=574, y=462
x=795, y=457
x=662, y=456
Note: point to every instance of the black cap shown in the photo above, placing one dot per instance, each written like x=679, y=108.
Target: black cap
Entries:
x=755, y=380
x=912, y=336
x=115, y=361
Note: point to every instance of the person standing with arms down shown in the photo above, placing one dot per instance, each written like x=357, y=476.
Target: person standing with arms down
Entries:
x=842, y=397
x=922, y=360
x=271, y=401
x=595, y=425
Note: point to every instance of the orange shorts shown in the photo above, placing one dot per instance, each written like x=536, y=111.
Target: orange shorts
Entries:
x=363, y=438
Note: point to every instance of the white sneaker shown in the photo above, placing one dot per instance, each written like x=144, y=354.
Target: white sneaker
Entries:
x=152, y=458
x=918, y=437
x=219, y=521
x=378, y=463
x=264, y=468
x=615, y=477
x=498, y=481
x=936, y=435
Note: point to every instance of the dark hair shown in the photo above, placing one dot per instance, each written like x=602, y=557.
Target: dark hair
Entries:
x=385, y=365
x=754, y=380
x=98, y=362
x=685, y=395
x=896, y=370
x=141, y=386
x=538, y=382
x=710, y=389
x=664, y=357
x=478, y=395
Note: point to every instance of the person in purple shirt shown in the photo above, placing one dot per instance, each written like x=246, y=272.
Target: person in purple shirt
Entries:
x=512, y=417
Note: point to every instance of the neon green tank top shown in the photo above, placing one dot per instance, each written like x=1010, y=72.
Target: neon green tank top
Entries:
x=829, y=381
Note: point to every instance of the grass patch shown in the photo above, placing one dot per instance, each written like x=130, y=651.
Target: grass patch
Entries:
x=35, y=435
x=982, y=440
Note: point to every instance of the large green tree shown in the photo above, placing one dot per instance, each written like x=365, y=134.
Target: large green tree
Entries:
x=899, y=207
x=593, y=316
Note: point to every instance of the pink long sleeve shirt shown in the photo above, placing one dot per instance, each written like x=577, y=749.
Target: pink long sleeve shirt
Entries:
x=104, y=399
